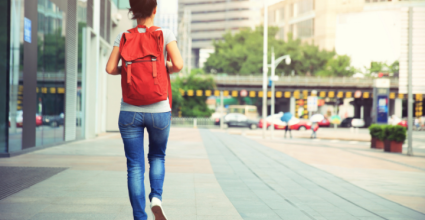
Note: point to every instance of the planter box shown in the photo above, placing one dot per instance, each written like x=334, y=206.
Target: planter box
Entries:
x=373, y=142
x=379, y=144
x=387, y=145
x=396, y=147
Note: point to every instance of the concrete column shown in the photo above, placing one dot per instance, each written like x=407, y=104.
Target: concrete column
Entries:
x=30, y=77
x=90, y=83
x=71, y=71
x=398, y=107
x=292, y=105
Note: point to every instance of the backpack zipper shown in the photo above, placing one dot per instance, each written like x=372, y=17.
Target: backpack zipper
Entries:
x=140, y=61
x=153, y=59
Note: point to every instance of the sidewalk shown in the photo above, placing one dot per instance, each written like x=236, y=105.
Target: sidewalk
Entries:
x=215, y=175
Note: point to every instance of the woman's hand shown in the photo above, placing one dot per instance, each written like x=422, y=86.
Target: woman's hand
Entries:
x=112, y=65
x=169, y=67
x=176, y=63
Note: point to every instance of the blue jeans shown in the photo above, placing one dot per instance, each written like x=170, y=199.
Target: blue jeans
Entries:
x=132, y=125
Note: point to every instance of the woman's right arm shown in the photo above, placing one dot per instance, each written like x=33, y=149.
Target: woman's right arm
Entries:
x=176, y=63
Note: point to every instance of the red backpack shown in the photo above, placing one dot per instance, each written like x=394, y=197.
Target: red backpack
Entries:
x=144, y=76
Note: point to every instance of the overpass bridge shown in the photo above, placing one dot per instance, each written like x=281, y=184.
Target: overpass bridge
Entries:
x=350, y=97
x=292, y=83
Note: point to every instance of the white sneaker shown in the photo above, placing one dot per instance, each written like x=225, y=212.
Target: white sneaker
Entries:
x=157, y=211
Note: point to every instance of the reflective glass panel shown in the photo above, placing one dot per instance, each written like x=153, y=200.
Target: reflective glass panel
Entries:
x=4, y=60
x=16, y=74
x=50, y=73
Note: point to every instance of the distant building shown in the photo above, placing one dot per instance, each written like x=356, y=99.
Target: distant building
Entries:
x=365, y=30
x=310, y=20
x=168, y=21
x=211, y=19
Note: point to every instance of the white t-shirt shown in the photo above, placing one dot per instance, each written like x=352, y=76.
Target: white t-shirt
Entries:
x=162, y=106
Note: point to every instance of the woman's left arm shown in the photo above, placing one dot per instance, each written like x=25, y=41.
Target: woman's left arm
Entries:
x=112, y=65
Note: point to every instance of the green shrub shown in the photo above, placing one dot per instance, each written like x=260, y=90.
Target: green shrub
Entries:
x=397, y=133
x=375, y=130
x=386, y=131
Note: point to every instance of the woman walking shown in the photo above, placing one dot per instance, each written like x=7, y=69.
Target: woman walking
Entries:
x=146, y=101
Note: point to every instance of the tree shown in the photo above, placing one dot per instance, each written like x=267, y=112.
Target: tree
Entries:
x=193, y=106
x=376, y=67
x=242, y=53
x=338, y=66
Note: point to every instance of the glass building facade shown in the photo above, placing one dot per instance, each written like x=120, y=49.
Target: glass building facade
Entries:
x=42, y=61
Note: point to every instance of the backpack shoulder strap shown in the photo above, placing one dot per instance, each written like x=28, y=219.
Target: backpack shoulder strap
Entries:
x=154, y=28
x=133, y=30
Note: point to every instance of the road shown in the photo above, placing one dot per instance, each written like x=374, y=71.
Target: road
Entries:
x=341, y=135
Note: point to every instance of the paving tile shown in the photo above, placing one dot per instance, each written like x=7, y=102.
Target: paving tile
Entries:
x=272, y=176
x=73, y=216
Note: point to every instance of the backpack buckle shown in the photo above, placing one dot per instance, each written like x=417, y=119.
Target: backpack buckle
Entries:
x=128, y=63
x=153, y=58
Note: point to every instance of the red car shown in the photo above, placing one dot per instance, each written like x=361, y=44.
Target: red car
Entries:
x=403, y=123
x=301, y=125
x=19, y=119
x=324, y=123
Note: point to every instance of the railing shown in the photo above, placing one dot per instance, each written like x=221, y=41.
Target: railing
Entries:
x=296, y=80
x=192, y=122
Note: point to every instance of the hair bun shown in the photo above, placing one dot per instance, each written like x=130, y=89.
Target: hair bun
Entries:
x=142, y=8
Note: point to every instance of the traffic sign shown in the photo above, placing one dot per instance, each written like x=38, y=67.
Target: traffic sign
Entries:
x=312, y=103
x=244, y=93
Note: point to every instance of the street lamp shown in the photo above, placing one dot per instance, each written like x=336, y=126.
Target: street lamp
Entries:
x=273, y=78
x=265, y=69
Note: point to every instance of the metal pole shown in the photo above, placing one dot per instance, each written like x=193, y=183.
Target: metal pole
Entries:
x=265, y=71
x=189, y=41
x=273, y=90
x=409, y=87
x=221, y=109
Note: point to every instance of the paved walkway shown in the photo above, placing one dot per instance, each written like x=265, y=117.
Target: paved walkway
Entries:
x=210, y=175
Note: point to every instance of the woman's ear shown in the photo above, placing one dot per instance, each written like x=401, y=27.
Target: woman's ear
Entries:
x=154, y=10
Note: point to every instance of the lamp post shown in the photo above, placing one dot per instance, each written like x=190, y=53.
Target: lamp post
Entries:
x=264, y=111
x=274, y=78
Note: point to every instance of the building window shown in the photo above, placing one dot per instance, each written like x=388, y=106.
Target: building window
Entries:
x=122, y=4
x=281, y=33
x=305, y=29
x=282, y=14
x=291, y=10
x=305, y=6
x=271, y=16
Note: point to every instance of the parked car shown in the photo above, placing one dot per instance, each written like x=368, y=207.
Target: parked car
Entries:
x=302, y=125
x=237, y=120
x=403, y=123
x=357, y=123
x=20, y=118
x=324, y=123
x=352, y=122
x=53, y=120
x=280, y=125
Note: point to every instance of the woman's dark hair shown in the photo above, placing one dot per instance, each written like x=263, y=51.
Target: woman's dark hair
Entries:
x=142, y=8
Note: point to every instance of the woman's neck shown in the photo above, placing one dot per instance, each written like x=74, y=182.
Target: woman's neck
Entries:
x=148, y=22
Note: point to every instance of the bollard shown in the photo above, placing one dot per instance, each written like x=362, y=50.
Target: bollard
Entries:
x=195, y=123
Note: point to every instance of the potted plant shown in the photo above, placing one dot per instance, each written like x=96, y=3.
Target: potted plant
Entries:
x=380, y=138
x=374, y=131
x=397, y=137
x=387, y=130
